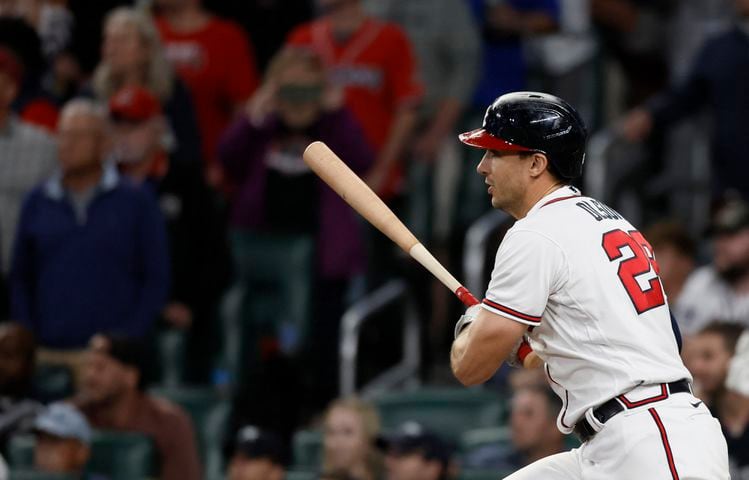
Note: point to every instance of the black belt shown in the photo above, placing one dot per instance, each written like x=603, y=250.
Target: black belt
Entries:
x=585, y=431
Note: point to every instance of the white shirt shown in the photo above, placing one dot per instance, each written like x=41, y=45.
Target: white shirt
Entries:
x=584, y=280
x=706, y=297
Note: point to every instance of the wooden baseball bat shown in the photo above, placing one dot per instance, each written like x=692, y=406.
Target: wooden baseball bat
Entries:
x=334, y=172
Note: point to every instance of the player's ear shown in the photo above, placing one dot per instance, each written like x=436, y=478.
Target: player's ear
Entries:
x=538, y=164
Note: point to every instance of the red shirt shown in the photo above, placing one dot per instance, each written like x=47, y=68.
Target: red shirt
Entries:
x=218, y=67
x=375, y=66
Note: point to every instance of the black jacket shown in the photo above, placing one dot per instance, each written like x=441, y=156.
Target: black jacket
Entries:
x=719, y=79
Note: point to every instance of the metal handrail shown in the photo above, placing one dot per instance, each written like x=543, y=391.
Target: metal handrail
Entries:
x=474, y=250
x=351, y=324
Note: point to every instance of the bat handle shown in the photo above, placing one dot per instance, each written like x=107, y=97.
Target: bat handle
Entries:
x=465, y=296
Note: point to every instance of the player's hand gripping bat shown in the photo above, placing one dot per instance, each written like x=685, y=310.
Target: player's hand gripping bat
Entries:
x=331, y=169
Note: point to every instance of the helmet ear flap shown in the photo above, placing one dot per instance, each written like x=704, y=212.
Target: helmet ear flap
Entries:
x=567, y=166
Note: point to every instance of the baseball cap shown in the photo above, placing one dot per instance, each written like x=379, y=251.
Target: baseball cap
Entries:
x=10, y=65
x=412, y=437
x=730, y=218
x=63, y=420
x=252, y=442
x=133, y=104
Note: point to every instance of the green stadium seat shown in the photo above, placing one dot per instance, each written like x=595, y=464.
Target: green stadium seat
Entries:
x=482, y=475
x=21, y=452
x=34, y=475
x=447, y=411
x=53, y=382
x=301, y=475
x=271, y=297
x=117, y=455
x=307, y=449
x=122, y=455
x=210, y=412
x=477, y=438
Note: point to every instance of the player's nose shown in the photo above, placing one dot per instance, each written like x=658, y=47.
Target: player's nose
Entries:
x=481, y=168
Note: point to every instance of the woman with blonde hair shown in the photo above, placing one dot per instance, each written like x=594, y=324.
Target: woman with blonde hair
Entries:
x=132, y=55
x=350, y=429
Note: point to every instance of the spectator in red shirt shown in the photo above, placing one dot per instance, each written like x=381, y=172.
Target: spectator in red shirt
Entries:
x=374, y=63
x=215, y=59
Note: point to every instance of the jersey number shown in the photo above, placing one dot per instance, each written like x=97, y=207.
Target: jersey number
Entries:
x=629, y=269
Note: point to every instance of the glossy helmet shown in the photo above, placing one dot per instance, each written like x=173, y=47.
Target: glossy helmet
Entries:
x=534, y=122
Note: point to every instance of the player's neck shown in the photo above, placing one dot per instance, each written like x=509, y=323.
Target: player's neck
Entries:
x=536, y=192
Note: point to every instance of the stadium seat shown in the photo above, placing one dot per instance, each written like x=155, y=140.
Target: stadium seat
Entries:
x=477, y=438
x=34, y=475
x=53, y=382
x=116, y=455
x=301, y=475
x=482, y=445
x=122, y=455
x=209, y=411
x=307, y=449
x=21, y=452
x=271, y=297
x=482, y=475
x=447, y=411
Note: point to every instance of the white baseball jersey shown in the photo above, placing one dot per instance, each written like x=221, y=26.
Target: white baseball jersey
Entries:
x=586, y=283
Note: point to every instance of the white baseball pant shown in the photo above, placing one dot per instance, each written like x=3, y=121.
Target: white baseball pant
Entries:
x=672, y=439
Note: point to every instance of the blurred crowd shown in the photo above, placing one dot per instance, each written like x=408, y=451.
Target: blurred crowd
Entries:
x=164, y=247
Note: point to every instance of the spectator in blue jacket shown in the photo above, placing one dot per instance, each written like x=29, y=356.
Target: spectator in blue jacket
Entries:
x=503, y=25
x=90, y=252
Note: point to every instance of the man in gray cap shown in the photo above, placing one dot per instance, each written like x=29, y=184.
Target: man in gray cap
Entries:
x=62, y=440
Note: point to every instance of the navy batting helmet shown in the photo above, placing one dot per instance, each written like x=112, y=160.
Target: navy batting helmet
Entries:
x=534, y=122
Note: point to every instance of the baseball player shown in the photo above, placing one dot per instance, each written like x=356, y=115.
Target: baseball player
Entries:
x=581, y=285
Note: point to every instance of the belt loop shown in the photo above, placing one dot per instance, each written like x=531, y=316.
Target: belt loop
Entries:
x=595, y=424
